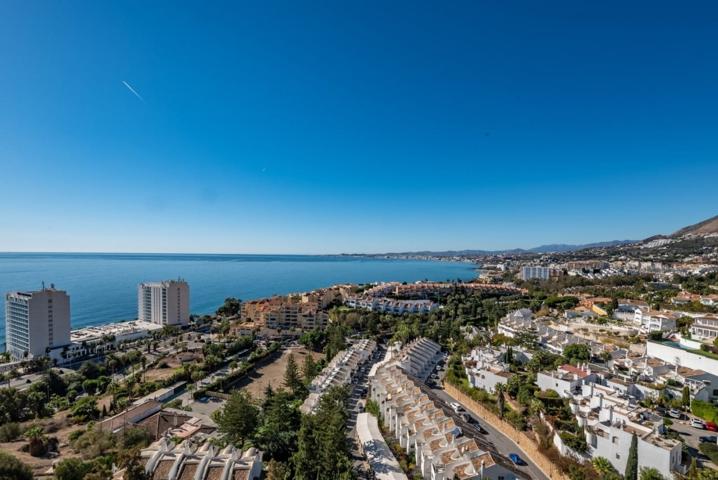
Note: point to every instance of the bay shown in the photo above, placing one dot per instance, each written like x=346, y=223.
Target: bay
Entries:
x=103, y=286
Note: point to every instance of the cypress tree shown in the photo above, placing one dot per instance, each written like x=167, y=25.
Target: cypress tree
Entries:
x=632, y=462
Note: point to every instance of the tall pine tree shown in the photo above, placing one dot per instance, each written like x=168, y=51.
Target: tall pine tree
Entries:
x=632, y=462
x=292, y=378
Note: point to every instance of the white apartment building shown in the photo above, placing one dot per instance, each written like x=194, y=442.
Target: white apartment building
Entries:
x=163, y=303
x=36, y=322
x=440, y=450
x=565, y=380
x=541, y=273
x=340, y=371
x=390, y=305
x=610, y=418
x=486, y=369
x=655, y=321
x=705, y=327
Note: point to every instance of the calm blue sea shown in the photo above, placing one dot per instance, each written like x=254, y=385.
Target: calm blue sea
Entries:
x=103, y=287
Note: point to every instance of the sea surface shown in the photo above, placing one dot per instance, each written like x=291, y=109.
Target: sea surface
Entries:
x=103, y=287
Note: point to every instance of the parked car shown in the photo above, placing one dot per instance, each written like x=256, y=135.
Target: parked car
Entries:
x=698, y=423
x=516, y=459
x=708, y=439
x=675, y=413
x=456, y=407
x=661, y=411
x=711, y=426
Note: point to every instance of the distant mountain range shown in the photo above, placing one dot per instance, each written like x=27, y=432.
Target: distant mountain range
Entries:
x=553, y=248
x=706, y=227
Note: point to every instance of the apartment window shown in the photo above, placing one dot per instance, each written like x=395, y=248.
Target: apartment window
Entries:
x=615, y=440
x=618, y=456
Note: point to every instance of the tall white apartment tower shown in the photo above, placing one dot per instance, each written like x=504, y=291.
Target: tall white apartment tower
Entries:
x=36, y=321
x=163, y=303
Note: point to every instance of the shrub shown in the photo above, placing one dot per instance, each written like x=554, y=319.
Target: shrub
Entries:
x=710, y=450
x=704, y=410
x=10, y=432
x=12, y=468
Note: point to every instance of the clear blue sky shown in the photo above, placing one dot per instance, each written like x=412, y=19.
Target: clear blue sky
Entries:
x=322, y=127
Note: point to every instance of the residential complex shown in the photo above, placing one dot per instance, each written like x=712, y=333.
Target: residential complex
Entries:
x=36, y=322
x=284, y=315
x=340, y=371
x=163, y=303
x=539, y=273
x=422, y=428
x=194, y=459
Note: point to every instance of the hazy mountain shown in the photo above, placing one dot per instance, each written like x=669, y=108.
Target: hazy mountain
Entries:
x=706, y=227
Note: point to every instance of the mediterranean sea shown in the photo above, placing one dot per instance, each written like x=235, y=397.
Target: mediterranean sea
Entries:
x=103, y=286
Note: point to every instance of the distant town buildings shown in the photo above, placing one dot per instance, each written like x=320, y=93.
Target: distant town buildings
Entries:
x=163, y=303
x=36, y=322
x=390, y=305
x=540, y=273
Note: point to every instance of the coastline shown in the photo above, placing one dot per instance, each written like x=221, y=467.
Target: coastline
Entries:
x=102, y=287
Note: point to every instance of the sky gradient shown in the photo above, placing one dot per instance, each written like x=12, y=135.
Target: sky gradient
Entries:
x=328, y=127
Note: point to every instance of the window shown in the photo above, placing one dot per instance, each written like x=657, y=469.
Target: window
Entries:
x=618, y=456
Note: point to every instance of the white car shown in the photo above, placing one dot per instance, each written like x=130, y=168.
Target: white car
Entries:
x=456, y=407
x=696, y=423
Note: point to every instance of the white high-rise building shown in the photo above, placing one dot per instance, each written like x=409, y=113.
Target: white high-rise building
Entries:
x=36, y=321
x=163, y=303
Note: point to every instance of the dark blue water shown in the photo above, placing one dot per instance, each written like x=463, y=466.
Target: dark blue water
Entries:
x=103, y=287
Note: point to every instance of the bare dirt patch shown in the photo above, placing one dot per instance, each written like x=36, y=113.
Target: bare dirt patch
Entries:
x=273, y=373
x=59, y=426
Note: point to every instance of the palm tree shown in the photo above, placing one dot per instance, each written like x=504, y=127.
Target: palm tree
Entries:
x=36, y=440
x=143, y=362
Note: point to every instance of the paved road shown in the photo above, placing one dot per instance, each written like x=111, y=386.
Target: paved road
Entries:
x=491, y=440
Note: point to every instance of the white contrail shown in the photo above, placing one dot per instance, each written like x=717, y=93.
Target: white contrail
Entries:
x=129, y=87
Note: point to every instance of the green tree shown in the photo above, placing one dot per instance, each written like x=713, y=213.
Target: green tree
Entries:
x=238, y=419
x=36, y=441
x=686, y=396
x=72, y=469
x=13, y=469
x=292, y=379
x=85, y=409
x=500, y=400
x=89, y=370
x=309, y=368
x=604, y=467
x=632, y=462
x=648, y=473
x=231, y=307
x=322, y=450
x=577, y=353
x=278, y=471
x=131, y=461
x=276, y=434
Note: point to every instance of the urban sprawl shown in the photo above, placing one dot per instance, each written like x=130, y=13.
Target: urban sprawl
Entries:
x=599, y=362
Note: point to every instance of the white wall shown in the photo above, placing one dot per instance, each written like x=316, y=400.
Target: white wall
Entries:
x=683, y=358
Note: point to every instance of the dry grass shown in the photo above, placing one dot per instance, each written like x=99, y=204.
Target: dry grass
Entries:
x=273, y=373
